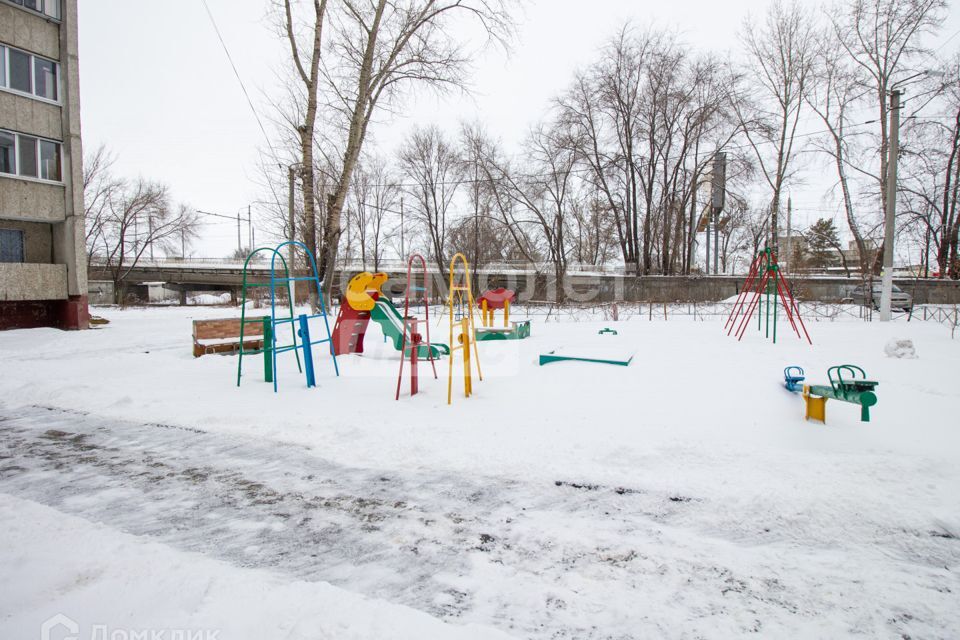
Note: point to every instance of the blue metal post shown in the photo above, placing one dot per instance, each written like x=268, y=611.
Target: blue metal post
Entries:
x=307, y=350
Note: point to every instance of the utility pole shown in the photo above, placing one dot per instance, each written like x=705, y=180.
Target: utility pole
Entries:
x=239, y=242
x=249, y=229
x=403, y=251
x=716, y=243
x=718, y=195
x=291, y=203
x=707, y=266
x=786, y=262
x=886, y=291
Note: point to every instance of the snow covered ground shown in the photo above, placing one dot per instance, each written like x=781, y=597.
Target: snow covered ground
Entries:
x=683, y=496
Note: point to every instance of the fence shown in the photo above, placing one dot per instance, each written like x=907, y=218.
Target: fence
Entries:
x=703, y=312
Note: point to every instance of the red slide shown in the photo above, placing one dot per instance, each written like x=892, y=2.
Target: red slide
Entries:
x=350, y=328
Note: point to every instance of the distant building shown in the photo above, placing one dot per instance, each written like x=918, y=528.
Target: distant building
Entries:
x=800, y=252
x=43, y=280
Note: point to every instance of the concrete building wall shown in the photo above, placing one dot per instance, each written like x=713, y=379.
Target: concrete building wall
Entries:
x=37, y=240
x=27, y=115
x=30, y=31
x=70, y=237
x=33, y=282
x=50, y=288
x=32, y=201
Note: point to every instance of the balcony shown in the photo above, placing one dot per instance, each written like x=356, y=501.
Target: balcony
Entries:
x=32, y=281
x=31, y=200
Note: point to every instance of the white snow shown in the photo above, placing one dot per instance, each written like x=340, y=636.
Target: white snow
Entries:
x=681, y=496
x=900, y=348
x=55, y=562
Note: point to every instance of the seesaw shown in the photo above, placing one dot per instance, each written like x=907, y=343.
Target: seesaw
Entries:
x=854, y=389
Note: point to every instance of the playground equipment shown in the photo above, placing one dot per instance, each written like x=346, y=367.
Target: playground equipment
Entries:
x=599, y=355
x=363, y=302
x=270, y=332
x=489, y=302
x=763, y=290
x=413, y=344
x=793, y=376
x=855, y=389
x=604, y=348
x=467, y=327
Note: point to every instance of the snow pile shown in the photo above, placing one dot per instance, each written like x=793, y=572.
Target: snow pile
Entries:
x=900, y=348
x=209, y=298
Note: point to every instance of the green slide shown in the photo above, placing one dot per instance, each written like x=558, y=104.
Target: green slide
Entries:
x=391, y=323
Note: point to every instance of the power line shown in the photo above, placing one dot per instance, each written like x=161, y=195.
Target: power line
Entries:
x=947, y=41
x=233, y=66
x=246, y=94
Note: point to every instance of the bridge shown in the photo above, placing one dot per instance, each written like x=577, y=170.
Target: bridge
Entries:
x=583, y=283
x=213, y=274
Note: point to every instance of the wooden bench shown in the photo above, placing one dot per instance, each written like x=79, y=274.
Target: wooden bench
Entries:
x=223, y=335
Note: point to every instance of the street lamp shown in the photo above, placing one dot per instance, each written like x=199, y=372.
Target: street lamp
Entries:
x=886, y=286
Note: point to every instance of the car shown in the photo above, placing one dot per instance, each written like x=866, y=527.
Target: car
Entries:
x=899, y=299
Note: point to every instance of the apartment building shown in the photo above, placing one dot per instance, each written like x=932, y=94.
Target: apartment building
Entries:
x=43, y=279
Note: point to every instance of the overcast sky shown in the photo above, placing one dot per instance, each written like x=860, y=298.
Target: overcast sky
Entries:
x=157, y=88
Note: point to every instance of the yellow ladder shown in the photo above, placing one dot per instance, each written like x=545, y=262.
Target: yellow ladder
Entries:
x=467, y=329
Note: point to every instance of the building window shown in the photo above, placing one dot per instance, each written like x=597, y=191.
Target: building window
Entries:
x=30, y=156
x=50, y=8
x=27, y=157
x=20, y=71
x=27, y=73
x=45, y=78
x=8, y=153
x=50, y=160
x=11, y=245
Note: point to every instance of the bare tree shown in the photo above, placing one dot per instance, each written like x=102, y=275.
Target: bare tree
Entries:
x=100, y=186
x=374, y=197
x=432, y=165
x=882, y=38
x=378, y=49
x=543, y=193
x=930, y=182
x=307, y=64
x=475, y=234
x=781, y=51
x=136, y=216
x=836, y=90
x=645, y=121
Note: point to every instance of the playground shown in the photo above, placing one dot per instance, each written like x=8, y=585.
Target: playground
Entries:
x=682, y=494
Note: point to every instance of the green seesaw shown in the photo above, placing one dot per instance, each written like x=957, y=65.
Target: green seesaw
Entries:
x=853, y=388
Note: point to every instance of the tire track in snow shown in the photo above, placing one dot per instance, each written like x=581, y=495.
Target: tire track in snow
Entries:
x=569, y=560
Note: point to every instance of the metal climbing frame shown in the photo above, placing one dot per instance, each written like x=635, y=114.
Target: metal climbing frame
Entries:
x=468, y=328
x=765, y=284
x=270, y=341
x=407, y=331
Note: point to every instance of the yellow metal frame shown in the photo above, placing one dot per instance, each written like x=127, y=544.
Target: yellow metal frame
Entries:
x=487, y=314
x=816, y=406
x=467, y=328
